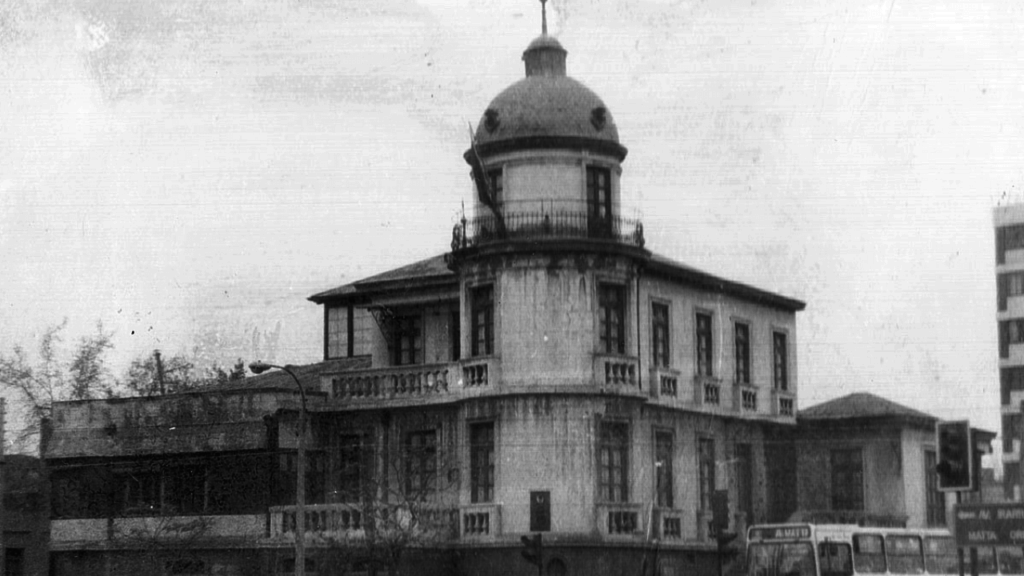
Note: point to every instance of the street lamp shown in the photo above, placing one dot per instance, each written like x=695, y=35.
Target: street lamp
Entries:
x=300, y=469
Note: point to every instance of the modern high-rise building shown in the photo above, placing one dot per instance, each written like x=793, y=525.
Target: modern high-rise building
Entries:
x=1009, y=228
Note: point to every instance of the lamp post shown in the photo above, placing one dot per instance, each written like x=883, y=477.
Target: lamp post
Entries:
x=300, y=469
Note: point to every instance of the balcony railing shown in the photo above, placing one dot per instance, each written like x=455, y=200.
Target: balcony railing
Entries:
x=620, y=519
x=707, y=391
x=664, y=382
x=353, y=520
x=669, y=522
x=784, y=403
x=387, y=383
x=530, y=220
x=480, y=372
x=480, y=521
x=745, y=397
x=616, y=371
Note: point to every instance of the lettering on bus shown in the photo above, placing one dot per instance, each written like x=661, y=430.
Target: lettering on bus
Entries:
x=780, y=533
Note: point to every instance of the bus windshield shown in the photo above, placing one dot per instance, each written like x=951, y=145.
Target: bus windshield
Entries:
x=781, y=559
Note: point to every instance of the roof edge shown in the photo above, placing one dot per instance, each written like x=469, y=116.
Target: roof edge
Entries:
x=707, y=280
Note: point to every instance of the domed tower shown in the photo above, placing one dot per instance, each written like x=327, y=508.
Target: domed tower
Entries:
x=548, y=242
x=548, y=275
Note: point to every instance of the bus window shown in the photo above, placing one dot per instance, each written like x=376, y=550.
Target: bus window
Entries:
x=940, y=555
x=834, y=559
x=986, y=560
x=904, y=554
x=1011, y=560
x=781, y=559
x=868, y=554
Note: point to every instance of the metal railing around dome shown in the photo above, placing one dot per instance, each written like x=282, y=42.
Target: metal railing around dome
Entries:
x=540, y=220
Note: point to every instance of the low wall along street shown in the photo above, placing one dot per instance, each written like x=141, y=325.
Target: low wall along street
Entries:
x=989, y=524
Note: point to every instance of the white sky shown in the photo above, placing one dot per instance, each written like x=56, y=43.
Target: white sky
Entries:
x=185, y=167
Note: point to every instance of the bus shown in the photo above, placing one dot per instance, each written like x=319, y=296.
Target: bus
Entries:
x=848, y=550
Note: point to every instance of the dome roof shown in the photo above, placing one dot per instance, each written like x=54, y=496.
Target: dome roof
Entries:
x=547, y=109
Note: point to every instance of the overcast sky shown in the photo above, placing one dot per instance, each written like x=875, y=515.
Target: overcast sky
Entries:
x=184, y=168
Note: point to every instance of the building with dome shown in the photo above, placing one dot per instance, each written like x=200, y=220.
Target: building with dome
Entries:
x=548, y=375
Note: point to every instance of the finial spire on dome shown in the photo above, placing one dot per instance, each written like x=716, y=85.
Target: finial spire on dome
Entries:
x=544, y=17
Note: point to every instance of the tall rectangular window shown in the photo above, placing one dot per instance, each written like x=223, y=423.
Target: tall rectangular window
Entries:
x=612, y=312
x=704, y=344
x=354, y=468
x=780, y=356
x=706, y=471
x=497, y=183
x=935, y=504
x=338, y=341
x=847, y=471
x=407, y=340
x=599, y=202
x=663, y=459
x=742, y=338
x=481, y=462
x=347, y=332
x=420, y=464
x=659, y=334
x=613, y=460
x=744, y=479
x=455, y=334
x=482, y=312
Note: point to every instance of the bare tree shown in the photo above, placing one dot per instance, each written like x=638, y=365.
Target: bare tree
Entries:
x=411, y=505
x=55, y=376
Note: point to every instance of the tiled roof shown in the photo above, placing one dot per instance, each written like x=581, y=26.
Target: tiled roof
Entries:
x=861, y=405
x=433, y=268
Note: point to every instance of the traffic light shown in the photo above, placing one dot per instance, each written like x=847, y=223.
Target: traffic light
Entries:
x=533, y=549
x=956, y=456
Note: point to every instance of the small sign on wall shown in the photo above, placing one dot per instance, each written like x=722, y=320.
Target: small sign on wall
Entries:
x=540, y=511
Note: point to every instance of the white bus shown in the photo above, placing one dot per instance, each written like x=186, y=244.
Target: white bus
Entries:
x=848, y=550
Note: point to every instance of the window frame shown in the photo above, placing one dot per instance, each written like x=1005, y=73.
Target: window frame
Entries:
x=600, y=207
x=481, y=318
x=664, y=464
x=419, y=463
x=407, y=340
x=705, y=472
x=741, y=348
x=846, y=478
x=780, y=360
x=661, y=334
x=482, y=462
x=935, y=501
x=613, y=461
x=704, y=343
x=612, y=306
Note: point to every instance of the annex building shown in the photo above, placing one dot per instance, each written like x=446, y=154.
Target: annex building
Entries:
x=548, y=374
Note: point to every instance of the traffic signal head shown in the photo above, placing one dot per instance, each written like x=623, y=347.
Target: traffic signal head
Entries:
x=532, y=549
x=955, y=458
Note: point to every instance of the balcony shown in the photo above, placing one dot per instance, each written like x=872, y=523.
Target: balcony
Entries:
x=616, y=371
x=480, y=521
x=620, y=519
x=669, y=523
x=478, y=373
x=707, y=391
x=390, y=383
x=664, y=382
x=745, y=398
x=783, y=403
x=541, y=220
